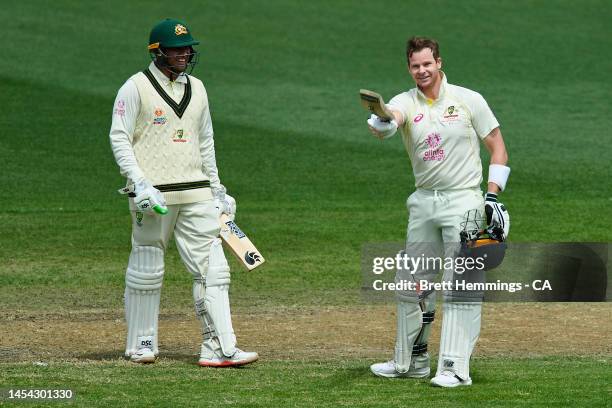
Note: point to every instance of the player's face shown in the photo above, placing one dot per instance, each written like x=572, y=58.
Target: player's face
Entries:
x=178, y=57
x=424, y=68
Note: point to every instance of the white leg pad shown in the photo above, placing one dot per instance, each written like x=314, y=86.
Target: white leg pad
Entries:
x=212, y=303
x=409, y=323
x=460, y=331
x=143, y=281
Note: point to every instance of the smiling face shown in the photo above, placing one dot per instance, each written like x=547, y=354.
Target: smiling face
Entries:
x=425, y=68
x=177, y=58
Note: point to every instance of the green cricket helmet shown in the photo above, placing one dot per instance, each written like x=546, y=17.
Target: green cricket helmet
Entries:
x=171, y=33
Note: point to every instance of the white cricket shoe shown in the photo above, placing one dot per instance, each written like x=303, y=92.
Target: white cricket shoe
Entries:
x=387, y=370
x=143, y=355
x=239, y=358
x=448, y=379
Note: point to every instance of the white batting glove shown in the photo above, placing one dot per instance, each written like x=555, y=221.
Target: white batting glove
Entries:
x=498, y=219
x=382, y=129
x=148, y=198
x=225, y=203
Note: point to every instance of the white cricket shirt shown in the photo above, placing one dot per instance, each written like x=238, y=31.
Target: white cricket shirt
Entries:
x=150, y=140
x=442, y=137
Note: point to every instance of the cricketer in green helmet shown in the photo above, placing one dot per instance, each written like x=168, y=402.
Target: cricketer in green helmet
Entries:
x=162, y=139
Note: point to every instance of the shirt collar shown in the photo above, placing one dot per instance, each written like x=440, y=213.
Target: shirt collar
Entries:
x=163, y=79
x=441, y=93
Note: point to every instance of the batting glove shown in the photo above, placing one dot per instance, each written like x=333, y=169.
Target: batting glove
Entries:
x=498, y=219
x=148, y=198
x=225, y=203
x=382, y=129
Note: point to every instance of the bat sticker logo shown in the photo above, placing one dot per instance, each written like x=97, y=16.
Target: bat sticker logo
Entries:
x=235, y=230
x=251, y=257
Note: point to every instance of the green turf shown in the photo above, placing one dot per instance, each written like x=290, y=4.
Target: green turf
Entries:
x=312, y=185
x=500, y=382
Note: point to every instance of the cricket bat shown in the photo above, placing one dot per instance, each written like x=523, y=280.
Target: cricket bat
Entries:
x=373, y=102
x=240, y=244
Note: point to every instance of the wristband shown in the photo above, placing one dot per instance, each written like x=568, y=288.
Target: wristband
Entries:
x=491, y=197
x=498, y=174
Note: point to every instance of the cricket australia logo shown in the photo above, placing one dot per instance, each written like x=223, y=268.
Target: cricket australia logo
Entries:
x=139, y=217
x=180, y=29
x=234, y=229
x=434, y=151
x=451, y=114
x=179, y=136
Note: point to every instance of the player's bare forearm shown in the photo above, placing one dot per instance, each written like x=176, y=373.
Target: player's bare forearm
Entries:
x=493, y=188
x=399, y=118
x=497, y=149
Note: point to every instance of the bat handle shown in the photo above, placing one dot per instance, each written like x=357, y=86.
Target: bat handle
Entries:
x=160, y=210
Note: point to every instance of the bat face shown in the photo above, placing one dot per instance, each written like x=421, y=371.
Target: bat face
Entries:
x=373, y=102
x=239, y=244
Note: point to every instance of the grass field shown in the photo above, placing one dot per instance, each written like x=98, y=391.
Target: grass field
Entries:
x=312, y=187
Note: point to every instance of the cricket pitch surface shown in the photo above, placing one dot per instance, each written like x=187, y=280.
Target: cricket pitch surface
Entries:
x=327, y=333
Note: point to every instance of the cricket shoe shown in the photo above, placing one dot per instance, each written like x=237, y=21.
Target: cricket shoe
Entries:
x=448, y=379
x=388, y=370
x=239, y=358
x=143, y=356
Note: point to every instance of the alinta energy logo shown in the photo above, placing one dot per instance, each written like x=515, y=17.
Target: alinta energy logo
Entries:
x=435, y=152
x=159, y=118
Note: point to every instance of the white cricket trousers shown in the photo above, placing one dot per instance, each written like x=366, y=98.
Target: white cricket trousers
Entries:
x=194, y=225
x=434, y=225
x=435, y=217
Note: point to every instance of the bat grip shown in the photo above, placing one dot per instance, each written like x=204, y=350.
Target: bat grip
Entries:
x=160, y=210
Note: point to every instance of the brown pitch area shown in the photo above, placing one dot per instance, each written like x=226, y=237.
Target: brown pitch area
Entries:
x=361, y=331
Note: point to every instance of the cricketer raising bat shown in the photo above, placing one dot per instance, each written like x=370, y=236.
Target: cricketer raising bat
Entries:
x=373, y=102
x=239, y=243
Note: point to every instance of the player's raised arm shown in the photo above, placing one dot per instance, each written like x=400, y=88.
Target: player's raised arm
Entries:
x=385, y=120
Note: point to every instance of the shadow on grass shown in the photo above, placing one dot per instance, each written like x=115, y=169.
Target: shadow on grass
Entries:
x=113, y=356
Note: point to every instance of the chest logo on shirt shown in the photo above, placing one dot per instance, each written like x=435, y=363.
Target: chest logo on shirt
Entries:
x=434, y=151
x=451, y=114
x=417, y=118
x=139, y=217
x=159, y=118
x=179, y=136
